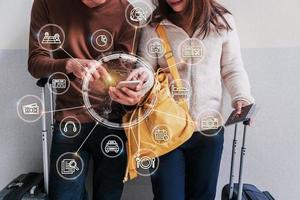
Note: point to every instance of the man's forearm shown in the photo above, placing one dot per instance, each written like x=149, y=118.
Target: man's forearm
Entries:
x=42, y=66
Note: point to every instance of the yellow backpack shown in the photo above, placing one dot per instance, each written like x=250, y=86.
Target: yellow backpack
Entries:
x=165, y=112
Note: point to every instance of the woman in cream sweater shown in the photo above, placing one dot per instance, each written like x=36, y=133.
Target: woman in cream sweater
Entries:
x=205, y=44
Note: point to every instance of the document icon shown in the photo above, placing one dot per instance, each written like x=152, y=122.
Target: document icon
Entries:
x=68, y=166
x=31, y=109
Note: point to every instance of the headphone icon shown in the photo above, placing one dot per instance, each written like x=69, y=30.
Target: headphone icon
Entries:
x=70, y=123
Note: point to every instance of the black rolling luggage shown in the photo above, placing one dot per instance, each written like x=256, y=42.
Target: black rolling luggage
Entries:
x=32, y=186
x=25, y=187
x=240, y=191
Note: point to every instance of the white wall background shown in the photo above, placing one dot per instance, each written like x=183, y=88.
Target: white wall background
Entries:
x=262, y=24
x=269, y=33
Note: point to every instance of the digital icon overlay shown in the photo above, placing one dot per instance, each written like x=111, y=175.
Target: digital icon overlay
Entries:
x=51, y=37
x=112, y=146
x=30, y=108
x=102, y=40
x=70, y=127
x=209, y=122
x=138, y=15
x=69, y=166
x=161, y=134
x=192, y=49
x=146, y=162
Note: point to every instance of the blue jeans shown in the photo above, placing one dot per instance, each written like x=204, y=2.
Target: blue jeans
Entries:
x=108, y=172
x=190, y=172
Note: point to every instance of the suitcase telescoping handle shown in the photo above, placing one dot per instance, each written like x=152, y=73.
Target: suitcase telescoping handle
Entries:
x=243, y=153
x=42, y=83
x=234, y=144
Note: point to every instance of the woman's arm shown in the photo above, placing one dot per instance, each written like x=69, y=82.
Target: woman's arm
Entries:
x=232, y=67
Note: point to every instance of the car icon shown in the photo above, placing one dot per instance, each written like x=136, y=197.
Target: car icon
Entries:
x=111, y=146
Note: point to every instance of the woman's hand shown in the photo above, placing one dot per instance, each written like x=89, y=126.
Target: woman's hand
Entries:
x=125, y=96
x=139, y=74
x=238, y=108
x=238, y=105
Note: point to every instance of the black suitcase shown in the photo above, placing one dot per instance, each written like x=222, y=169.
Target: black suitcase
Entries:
x=25, y=187
x=240, y=191
x=33, y=186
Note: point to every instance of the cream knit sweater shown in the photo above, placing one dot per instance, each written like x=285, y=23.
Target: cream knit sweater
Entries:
x=221, y=63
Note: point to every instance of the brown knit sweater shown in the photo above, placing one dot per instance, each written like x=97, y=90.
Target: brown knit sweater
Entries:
x=79, y=22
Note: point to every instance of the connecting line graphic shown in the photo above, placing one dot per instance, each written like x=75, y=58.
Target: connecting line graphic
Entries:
x=134, y=38
x=175, y=65
x=64, y=109
x=74, y=59
x=173, y=116
x=97, y=123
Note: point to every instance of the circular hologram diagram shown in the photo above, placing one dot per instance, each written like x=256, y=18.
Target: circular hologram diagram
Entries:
x=96, y=97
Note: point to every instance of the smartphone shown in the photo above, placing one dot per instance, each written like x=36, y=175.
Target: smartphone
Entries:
x=128, y=84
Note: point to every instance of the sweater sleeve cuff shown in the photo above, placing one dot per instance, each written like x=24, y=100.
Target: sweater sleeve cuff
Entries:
x=248, y=99
x=59, y=65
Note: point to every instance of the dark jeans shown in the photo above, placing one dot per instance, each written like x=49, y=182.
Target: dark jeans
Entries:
x=108, y=172
x=190, y=172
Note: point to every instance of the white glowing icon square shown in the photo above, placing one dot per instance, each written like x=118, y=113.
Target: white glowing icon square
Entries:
x=209, y=123
x=192, y=52
x=31, y=109
x=145, y=163
x=68, y=166
x=179, y=91
x=59, y=84
x=51, y=39
x=156, y=48
x=161, y=135
x=138, y=14
x=112, y=146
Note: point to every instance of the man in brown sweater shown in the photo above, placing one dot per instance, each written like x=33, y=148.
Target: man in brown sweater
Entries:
x=80, y=20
